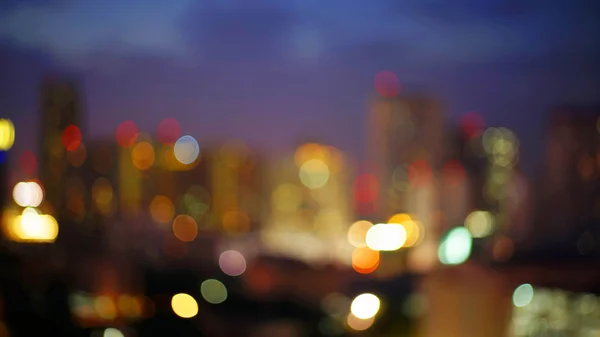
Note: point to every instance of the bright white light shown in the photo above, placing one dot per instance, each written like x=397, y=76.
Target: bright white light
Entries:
x=232, y=263
x=28, y=194
x=112, y=332
x=456, y=246
x=387, y=237
x=523, y=295
x=365, y=306
x=34, y=227
x=186, y=150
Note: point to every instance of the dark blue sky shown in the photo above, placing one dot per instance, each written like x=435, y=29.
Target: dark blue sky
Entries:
x=272, y=71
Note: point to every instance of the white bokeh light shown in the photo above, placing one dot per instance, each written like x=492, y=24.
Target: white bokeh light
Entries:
x=186, y=150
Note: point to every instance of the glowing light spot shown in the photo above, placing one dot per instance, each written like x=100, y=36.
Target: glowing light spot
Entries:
x=357, y=233
x=472, y=124
x=28, y=194
x=112, y=332
x=399, y=218
x=419, y=173
x=236, y=222
x=456, y=246
x=387, y=84
x=523, y=295
x=7, y=134
x=232, y=263
x=365, y=260
x=314, y=174
x=185, y=228
x=71, y=138
x=168, y=131
x=453, y=173
x=308, y=151
x=387, y=237
x=127, y=134
x=358, y=324
x=213, y=291
x=102, y=195
x=77, y=157
x=142, y=156
x=28, y=162
x=105, y=307
x=186, y=150
x=480, y=223
x=31, y=226
x=184, y=305
x=365, y=306
x=162, y=209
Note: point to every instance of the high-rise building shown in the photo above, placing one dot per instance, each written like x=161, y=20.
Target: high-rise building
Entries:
x=569, y=193
x=60, y=114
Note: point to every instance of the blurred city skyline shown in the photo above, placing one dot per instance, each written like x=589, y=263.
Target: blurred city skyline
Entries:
x=275, y=73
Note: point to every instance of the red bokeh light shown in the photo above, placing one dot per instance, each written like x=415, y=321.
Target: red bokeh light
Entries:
x=419, y=173
x=71, y=138
x=472, y=124
x=168, y=131
x=387, y=84
x=453, y=173
x=127, y=134
x=28, y=163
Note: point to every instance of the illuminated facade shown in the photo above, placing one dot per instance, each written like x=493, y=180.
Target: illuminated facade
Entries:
x=310, y=206
x=405, y=148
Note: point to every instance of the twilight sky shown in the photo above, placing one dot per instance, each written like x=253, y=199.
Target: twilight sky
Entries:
x=274, y=71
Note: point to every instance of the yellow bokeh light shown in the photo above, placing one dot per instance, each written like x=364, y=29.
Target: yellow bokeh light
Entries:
x=102, y=195
x=185, y=228
x=358, y=324
x=184, y=305
x=365, y=306
x=480, y=223
x=162, y=209
x=105, y=307
x=414, y=233
x=399, y=218
x=309, y=151
x=31, y=226
x=357, y=233
x=314, y=174
x=142, y=156
x=7, y=134
x=386, y=237
x=28, y=194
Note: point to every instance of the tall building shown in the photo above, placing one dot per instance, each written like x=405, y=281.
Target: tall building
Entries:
x=405, y=148
x=60, y=109
x=569, y=193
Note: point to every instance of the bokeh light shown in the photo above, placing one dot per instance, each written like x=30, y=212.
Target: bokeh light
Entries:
x=162, y=209
x=386, y=237
x=480, y=223
x=472, y=124
x=453, y=173
x=7, y=134
x=232, y=263
x=142, y=155
x=365, y=306
x=112, y=332
x=28, y=194
x=105, y=307
x=213, y=291
x=523, y=295
x=455, y=247
x=387, y=84
x=357, y=233
x=31, y=226
x=168, y=131
x=365, y=260
x=102, y=195
x=71, y=138
x=185, y=228
x=184, y=305
x=127, y=134
x=314, y=174
x=186, y=150
x=366, y=188
x=236, y=221
x=77, y=157
x=358, y=324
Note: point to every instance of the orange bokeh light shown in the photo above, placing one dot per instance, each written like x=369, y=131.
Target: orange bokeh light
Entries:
x=71, y=138
x=365, y=260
